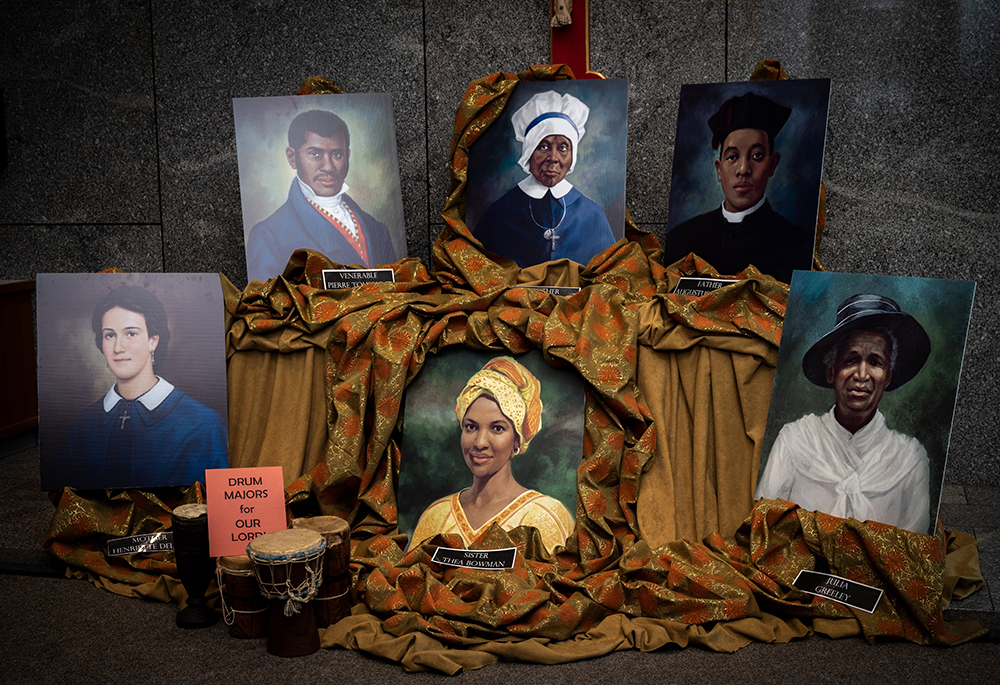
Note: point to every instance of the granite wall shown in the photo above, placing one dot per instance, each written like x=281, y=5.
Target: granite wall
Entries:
x=122, y=152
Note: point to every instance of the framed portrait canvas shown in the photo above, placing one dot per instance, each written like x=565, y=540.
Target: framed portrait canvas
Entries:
x=748, y=160
x=131, y=379
x=864, y=395
x=546, y=181
x=319, y=172
x=490, y=437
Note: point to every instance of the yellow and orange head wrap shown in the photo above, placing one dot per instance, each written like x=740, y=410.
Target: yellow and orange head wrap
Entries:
x=516, y=391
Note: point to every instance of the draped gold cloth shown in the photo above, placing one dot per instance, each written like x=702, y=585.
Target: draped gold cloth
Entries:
x=316, y=381
x=706, y=366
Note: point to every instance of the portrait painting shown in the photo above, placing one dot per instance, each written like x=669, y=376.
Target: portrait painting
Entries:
x=748, y=161
x=131, y=379
x=319, y=172
x=490, y=438
x=864, y=396
x=546, y=180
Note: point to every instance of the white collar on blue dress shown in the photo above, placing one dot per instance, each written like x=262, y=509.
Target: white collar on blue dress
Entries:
x=533, y=188
x=737, y=217
x=151, y=399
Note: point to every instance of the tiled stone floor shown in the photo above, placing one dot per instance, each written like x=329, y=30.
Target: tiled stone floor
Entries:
x=975, y=510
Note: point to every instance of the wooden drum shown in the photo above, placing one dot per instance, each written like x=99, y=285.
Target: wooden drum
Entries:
x=333, y=601
x=288, y=567
x=189, y=523
x=243, y=608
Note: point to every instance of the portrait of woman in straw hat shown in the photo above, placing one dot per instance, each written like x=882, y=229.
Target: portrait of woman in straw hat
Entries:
x=888, y=364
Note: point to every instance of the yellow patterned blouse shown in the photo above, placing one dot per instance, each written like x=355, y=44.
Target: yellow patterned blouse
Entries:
x=548, y=515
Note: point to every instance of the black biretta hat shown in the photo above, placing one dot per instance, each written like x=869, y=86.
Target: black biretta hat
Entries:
x=748, y=111
x=867, y=311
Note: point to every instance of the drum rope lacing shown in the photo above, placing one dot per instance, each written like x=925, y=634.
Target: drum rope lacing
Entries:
x=228, y=612
x=295, y=595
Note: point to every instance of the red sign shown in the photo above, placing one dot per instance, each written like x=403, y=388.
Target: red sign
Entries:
x=242, y=505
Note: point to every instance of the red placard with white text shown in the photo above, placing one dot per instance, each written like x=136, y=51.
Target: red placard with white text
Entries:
x=242, y=505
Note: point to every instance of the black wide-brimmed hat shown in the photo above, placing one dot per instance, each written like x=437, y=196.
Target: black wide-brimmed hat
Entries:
x=867, y=311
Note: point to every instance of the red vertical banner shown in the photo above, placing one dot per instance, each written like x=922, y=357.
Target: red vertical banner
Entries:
x=571, y=44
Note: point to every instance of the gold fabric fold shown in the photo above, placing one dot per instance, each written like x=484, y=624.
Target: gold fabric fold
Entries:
x=706, y=367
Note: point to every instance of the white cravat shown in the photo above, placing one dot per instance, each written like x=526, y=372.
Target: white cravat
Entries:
x=333, y=205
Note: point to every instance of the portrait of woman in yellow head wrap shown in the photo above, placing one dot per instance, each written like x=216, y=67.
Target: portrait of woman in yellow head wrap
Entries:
x=499, y=411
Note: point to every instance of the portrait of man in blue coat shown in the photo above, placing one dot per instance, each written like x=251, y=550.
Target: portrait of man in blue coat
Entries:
x=319, y=214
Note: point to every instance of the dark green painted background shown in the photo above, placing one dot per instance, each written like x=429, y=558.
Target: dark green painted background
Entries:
x=432, y=464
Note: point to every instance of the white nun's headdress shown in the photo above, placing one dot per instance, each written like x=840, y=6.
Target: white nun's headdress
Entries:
x=547, y=114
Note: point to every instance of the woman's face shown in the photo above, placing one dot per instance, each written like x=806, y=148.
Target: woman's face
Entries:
x=126, y=344
x=488, y=438
x=551, y=160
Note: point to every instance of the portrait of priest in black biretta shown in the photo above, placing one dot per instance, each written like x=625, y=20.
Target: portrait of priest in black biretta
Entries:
x=745, y=229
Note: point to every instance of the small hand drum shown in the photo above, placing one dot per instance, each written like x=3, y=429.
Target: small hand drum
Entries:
x=333, y=601
x=243, y=608
x=288, y=565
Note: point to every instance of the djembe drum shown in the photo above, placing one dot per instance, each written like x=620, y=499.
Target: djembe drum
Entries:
x=288, y=565
x=189, y=523
x=243, y=608
x=332, y=601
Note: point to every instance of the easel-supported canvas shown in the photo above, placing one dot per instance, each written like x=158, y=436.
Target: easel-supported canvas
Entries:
x=748, y=159
x=319, y=172
x=520, y=436
x=131, y=379
x=547, y=179
x=864, y=396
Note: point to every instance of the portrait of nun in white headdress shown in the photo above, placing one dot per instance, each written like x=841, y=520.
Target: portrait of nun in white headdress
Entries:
x=544, y=217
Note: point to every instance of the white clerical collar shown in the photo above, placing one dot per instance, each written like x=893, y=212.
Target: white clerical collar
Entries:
x=533, y=188
x=737, y=217
x=328, y=203
x=151, y=399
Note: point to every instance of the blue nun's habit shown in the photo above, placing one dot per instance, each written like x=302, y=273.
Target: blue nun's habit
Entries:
x=531, y=224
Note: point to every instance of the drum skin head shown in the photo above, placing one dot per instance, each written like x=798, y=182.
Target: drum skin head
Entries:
x=190, y=511
x=325, y=525
x=285, y=544
x=235, y=563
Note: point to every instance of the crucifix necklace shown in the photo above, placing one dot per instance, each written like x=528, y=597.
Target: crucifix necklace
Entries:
x=550, y=231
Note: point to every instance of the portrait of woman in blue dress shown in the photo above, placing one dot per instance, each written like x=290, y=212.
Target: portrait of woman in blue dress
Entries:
x=143, y=432
x=544, y=217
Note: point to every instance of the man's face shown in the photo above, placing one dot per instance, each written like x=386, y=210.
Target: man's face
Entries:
x=551, y=160
x=744, y=167
x=859, y=376
x=321, y=163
